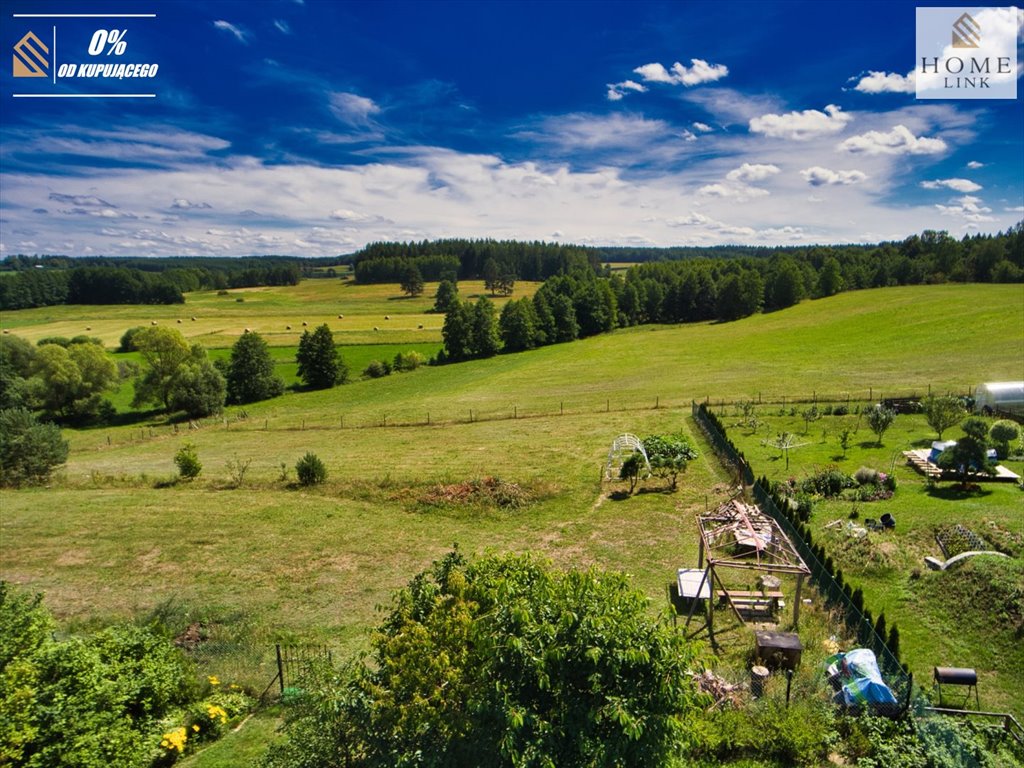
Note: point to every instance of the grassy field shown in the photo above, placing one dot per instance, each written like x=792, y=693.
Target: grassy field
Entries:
x=114, y=536
x=356, y=314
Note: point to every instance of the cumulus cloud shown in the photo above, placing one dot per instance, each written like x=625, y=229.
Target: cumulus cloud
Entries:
x=616, y=91
x=969, y=208
x=752, y=172
x=817, y=176
x=898, y=141
x=886, y=82
x=239, y=33
x=702, y=127
x=699, y=72
x=352, y=108
x=975, y=165
x=957, y=185
x=738, y=192
x=800, y=126
x=185, y=204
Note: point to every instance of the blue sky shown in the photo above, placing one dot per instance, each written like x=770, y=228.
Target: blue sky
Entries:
x=312, y=128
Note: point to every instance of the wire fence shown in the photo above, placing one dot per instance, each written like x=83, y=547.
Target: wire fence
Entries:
x=536, y=408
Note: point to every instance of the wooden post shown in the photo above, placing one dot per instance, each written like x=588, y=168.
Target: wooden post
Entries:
x=796, y=602
x=428, y=418
x=700, y=553
x=657, y=400
x=561, y=408
x=515, y=412
x=280, y=668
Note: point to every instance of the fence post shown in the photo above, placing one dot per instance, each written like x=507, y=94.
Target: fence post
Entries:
x=280, y=668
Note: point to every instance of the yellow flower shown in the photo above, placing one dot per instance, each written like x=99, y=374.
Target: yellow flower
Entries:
x=216, y=712
x=195, y=728
x=214, y=680
x=175, y=739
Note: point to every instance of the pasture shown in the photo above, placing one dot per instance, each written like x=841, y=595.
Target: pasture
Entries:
x=114, y=536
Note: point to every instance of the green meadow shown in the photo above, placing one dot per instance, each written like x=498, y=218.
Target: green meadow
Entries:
x=115, y=536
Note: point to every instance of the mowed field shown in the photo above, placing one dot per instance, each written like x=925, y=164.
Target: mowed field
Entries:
x=113, y=537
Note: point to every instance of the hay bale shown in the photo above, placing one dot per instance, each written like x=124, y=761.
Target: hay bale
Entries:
x=287, y=327
x=179, y=321
x=387, y=317
x=193, y=318
x=304, y=323
x=376, y=328
x=152, y=322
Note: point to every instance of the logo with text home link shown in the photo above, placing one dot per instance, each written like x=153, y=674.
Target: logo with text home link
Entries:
x=966, y=32
x=28, y=60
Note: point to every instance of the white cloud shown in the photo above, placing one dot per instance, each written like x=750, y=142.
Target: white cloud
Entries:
x=752, y=172
x=957, y=185
x=801, y=126
x=702, y=127
x=898, y=141
x=240, y=34
x=738, y=192
x=975, y=165
x=1016, y=209
x=699, y=72
x=817, y=176
x=886, y=82
x=616, y=91
x=282, y=26
x=344, y=214
x=352, y=108
x=185, y=204
x=581, y=130
x=80, y=200
x=968, y=208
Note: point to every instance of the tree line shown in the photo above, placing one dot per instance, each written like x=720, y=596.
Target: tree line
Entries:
x=460, y=259
x=47, y=281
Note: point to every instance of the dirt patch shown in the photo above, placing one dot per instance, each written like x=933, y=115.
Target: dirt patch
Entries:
x=192, y=637
x=486, y=492
x=72, y=557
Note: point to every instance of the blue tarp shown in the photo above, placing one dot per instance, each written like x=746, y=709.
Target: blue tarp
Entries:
x=860, y=679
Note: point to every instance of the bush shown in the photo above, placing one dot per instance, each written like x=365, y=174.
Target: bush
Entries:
x=407, y=361
x=128, y=339
x=829, y=483
x=377, y=369
x=1002, y=433
x=187, y=461
x=867, y=476
x=29, y=451
x=310, y=470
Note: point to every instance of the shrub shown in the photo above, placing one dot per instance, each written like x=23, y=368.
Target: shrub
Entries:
x=187, y=461
x=377, y=369
x=310, y=470
x=867, y=476
x=407, y=361
x=1002, y=433
x=128, y=339
x=829, y=483
x=29, y=451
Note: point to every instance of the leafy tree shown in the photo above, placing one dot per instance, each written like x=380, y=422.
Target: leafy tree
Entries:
x=199, y=388
x=740, y=295
x=68, y=381
x=457, y=332
x=1002, y=433
x=880, y=419
x=411, y=281
x=564, y=315
x=407, y=361
x=504, y=662
x=320, y=366
x=944, y=412
x=517, y=325
x=970, y=454
x=485, y=340
x=29, y=451
x=446, y=297
x=127, y=343
x=631, y=469
x=830, y=279
x=164, y=352
x=491, y=273
x=506, y=283
x=250, y=375
x=668, y=455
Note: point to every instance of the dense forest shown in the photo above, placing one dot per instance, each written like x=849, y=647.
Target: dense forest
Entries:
x=466, y=259
x=40, y=281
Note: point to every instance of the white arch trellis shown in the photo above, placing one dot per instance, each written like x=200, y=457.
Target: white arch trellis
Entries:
x=624, y=446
